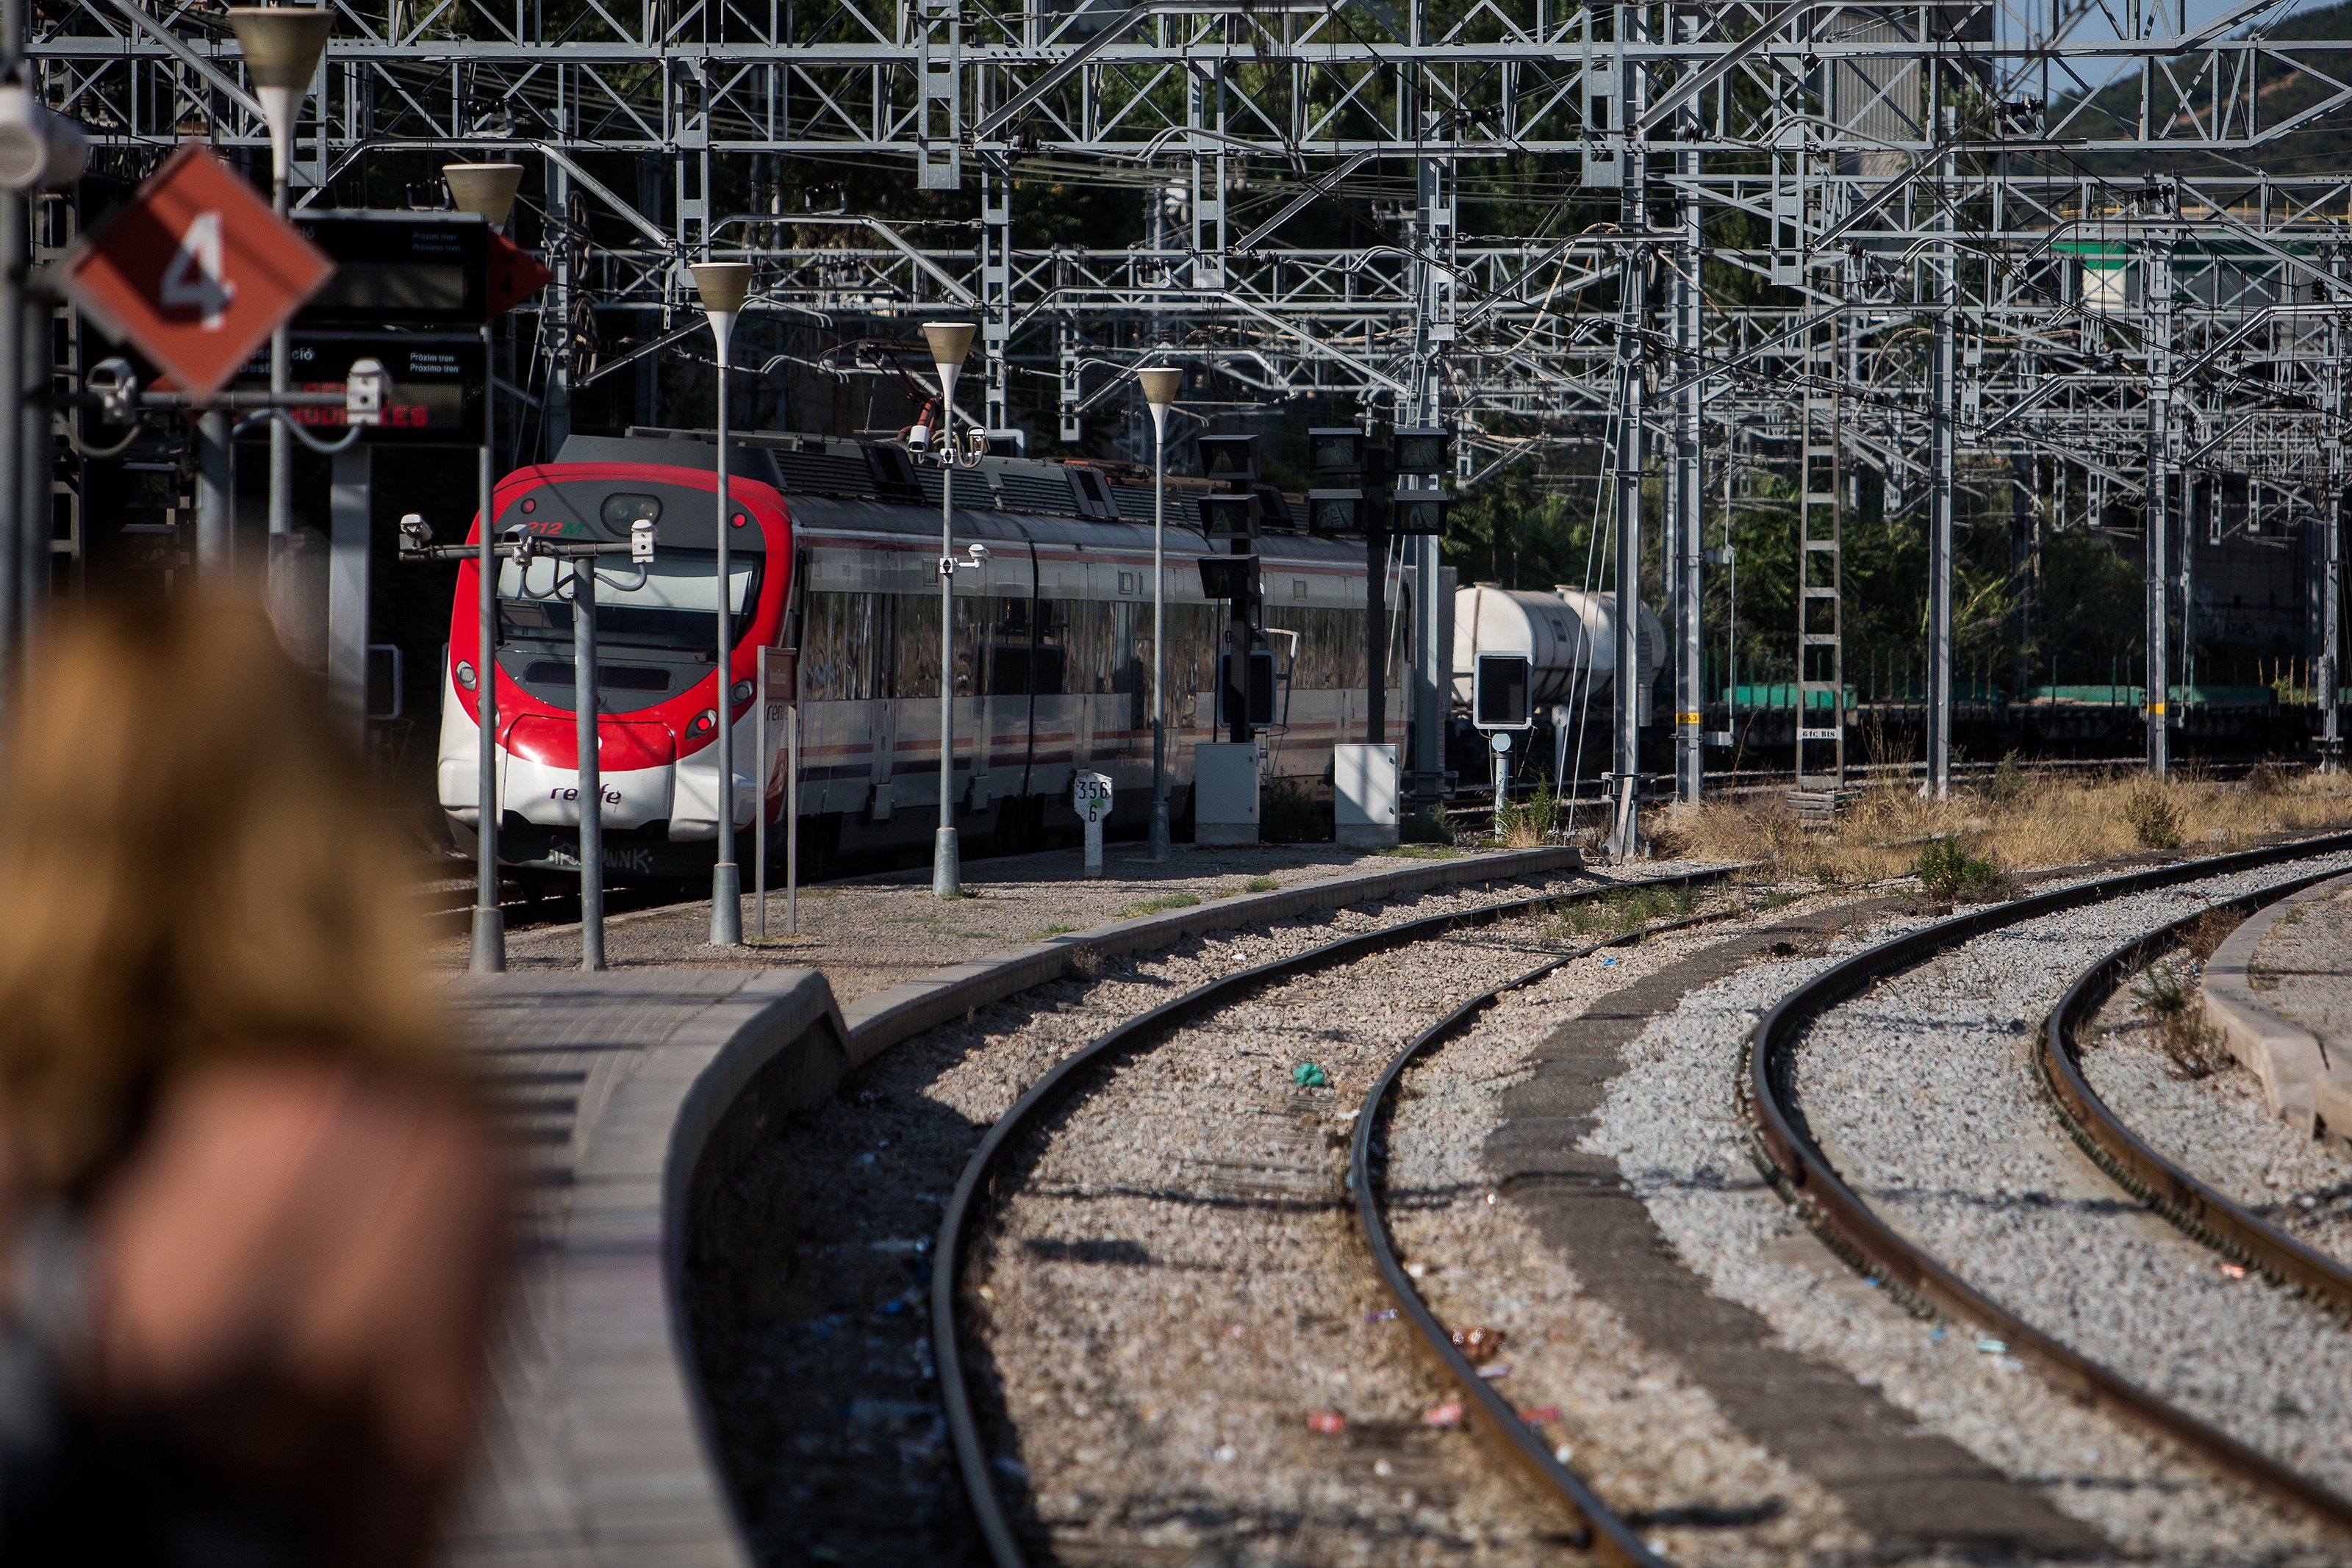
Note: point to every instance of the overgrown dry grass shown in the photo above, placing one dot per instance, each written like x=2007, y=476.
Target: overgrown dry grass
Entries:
x=2015, y=825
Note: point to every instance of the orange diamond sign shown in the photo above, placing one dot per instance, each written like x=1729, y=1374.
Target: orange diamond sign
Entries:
x=196, y=271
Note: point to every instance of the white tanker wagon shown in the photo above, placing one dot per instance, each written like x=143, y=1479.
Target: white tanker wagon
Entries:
x=1569, y=638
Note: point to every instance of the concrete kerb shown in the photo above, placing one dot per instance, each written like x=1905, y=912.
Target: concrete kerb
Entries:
x=881, y=1020
x=2302, y=1086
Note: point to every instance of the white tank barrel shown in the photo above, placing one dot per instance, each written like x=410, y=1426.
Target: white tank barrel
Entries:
x=1569, y=635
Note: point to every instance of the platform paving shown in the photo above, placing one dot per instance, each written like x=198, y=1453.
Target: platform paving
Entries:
x=611, y=1086
x=870, y=933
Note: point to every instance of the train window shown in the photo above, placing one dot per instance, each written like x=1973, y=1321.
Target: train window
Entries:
x=622, y=507
x=669, y=602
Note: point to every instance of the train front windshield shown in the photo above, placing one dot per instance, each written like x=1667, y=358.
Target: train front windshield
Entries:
x=671, y=602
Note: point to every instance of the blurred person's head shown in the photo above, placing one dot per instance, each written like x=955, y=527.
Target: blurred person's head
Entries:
x=191, y=873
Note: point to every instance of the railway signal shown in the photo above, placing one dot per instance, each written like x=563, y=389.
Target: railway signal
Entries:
x=1502, y=703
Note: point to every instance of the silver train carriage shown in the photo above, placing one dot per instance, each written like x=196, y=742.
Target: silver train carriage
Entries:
x=835, y=553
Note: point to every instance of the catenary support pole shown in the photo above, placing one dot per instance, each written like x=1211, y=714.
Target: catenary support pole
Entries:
x=584, y=709
x=1941, y=457
x=2157, y=517
x=1690, y=696
x=2330, y=523
x=1625, y=778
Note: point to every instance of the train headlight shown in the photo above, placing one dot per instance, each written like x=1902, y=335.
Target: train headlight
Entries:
x=465, y=677
x=704, y=722
x=740, y=691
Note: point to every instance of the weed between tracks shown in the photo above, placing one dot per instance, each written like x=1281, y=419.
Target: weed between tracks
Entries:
x=2011, y=820
x=1618, y=913
x=2192, y=1047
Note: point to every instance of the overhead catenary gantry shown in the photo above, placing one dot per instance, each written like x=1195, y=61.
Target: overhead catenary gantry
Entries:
x=2045, y=236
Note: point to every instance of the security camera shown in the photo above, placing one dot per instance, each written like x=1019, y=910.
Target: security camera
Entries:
x=117, y=386
x=37, y=148
x=415, y=533
x=363, y=392
x=979, y=553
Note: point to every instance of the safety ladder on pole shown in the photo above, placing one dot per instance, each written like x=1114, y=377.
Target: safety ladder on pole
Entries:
x=1820, y=618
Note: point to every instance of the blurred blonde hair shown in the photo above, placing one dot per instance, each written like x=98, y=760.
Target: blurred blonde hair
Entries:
x=190, y=870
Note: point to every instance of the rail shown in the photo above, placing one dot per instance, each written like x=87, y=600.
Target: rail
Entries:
x=1794, y=1162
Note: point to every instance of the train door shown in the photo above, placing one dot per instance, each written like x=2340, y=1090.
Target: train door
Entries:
x=1055, y=720
x=1003, y=664
x=879, y=709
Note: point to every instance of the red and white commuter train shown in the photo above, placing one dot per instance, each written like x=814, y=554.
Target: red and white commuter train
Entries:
x=834, y=551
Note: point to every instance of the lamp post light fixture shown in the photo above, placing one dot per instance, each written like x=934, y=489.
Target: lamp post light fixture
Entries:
x=283, y=46
x=1160, y=385
x=950, y=341
x=723, y=286
x=487, y=190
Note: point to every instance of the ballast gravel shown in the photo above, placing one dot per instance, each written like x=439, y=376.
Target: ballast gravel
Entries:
x=1194, y=1356
x=808, y=1269
x=1922, y=1094
x=1651, y=1441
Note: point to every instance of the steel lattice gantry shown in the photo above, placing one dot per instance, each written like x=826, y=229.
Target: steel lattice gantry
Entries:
x=1956, y=194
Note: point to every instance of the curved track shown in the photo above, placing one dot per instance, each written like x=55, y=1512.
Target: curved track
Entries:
x=1614, y=1538
x=1795, y=1161
x=2192, y=1205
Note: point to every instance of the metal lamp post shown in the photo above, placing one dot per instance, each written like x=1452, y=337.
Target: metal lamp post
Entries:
x=282, y=46
x=1160, y=384
x=489, y=190
x=950, y=342
x=723, y=286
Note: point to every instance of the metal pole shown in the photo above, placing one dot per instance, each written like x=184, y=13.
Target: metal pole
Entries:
x=1624, y=828
x=792, y=818
x=1939, y=507
x=2331, y=525
x=347, y=584
x=36, y=473
x=489, y=922
x=2331, y=738
x=1160, y=837
x=212, y=493
x=760, y=814
x=2159, y=522
x=591, y=764
x=14, y=262
x=282, y=440
x=1502, y=781
x=1690, y=696
x=946, y=872
x=726, y=877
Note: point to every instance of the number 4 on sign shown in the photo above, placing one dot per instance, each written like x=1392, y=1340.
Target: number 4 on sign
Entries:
x=193, y=276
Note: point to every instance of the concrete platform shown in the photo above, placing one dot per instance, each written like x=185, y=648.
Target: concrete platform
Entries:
x=2279, y=991
x=873, y=933
x=628, y=1091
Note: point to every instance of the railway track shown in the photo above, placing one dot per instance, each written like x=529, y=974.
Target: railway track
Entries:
x=1892, y=1107
x=1102, y=1081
